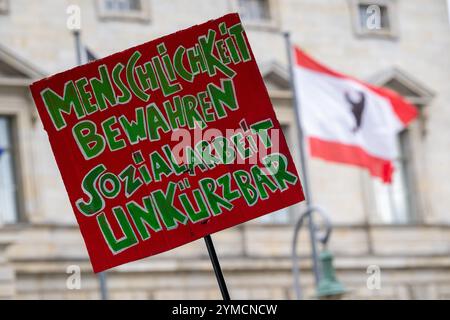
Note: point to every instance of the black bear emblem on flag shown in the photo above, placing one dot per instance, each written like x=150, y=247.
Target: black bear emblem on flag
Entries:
x=357, y=108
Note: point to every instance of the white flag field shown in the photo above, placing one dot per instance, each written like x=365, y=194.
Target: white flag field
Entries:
x=348, y=121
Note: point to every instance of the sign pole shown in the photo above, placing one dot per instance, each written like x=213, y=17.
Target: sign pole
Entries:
x=217, y=268
x=304, y=166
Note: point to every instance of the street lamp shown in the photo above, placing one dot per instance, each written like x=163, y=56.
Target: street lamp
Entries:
x=329, y=286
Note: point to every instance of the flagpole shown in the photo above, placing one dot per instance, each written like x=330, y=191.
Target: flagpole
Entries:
x=303, y=162
x=79, y=56
x=78, y=47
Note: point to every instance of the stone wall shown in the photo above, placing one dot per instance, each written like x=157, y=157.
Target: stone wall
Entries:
x=256, y=263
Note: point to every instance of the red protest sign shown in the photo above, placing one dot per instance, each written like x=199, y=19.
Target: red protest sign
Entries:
x=167, y=142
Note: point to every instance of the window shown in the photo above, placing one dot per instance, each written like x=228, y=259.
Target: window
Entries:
x=258, y=13
x=393, y=201
x=400, y=202
x=255, y=10
x=374, y=18
x=122, y=5
x=4, y=6
x=123, y=9
x=283, y=215
x=8, y=187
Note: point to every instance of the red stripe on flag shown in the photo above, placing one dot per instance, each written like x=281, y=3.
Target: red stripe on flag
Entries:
x=304, y=60
x=405, y=111
x=353, y=155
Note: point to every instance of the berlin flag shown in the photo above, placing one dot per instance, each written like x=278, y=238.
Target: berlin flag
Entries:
x=348, y=121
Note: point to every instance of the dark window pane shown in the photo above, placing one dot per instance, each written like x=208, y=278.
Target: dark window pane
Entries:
x=255, y=10
x=8, y=190
x=123, y=5
x=374, y=19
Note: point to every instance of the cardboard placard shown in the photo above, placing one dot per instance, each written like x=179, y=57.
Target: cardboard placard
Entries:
x=167, y=142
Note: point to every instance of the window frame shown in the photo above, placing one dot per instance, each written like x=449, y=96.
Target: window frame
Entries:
x=15, y=167
x=409, y=181
x=271, y=24
x=392, y=13
x=410, y=177
x=4, y=6
x=421, y=97
x=140, y=16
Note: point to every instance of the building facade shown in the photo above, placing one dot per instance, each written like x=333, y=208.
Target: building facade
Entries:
x=400, y=232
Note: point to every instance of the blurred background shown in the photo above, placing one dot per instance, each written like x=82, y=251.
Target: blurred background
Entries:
x=388, y=241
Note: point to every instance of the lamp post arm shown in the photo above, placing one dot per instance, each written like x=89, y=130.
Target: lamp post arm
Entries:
x=323, y=238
